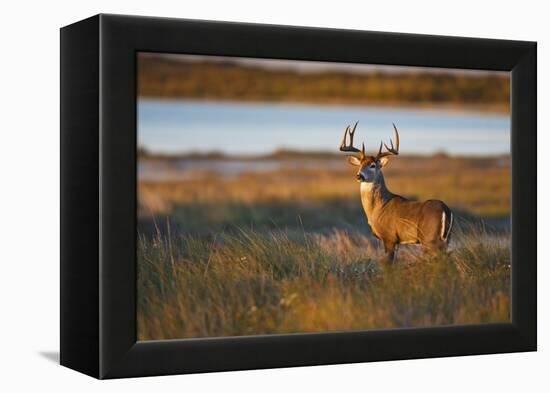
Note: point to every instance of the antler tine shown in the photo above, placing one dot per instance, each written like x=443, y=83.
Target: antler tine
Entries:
x=350, y=147
x=351, y=133
x=343, y=144
x=354, y=127
x=396, y=137
x=393, y=151
x=386, y=146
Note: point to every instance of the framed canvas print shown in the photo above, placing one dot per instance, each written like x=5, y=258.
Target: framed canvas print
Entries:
x=239, y=196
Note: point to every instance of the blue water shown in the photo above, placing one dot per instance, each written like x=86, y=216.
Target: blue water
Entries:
x=180, y=126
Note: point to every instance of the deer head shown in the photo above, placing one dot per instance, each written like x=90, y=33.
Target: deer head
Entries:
x=370, y=167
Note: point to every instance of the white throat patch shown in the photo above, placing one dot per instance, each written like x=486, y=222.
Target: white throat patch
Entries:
x=366, y=187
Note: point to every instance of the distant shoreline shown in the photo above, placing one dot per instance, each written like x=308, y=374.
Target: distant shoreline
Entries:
x=296, y=155
x=159, y=76
x=444, y=107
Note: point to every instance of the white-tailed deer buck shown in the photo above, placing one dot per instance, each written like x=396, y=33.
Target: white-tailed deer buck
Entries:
x=393, y=219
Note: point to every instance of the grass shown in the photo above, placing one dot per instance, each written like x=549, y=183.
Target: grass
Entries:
x=290, y=251
x=249, y=282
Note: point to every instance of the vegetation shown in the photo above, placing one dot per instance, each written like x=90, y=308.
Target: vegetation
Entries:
x=289, y=250
x=259, y=282
x=167, y=77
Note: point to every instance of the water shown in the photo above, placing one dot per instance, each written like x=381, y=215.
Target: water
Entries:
x=196, y=169
x=183, y=126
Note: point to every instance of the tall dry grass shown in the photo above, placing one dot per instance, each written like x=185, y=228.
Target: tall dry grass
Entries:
x=247, y=282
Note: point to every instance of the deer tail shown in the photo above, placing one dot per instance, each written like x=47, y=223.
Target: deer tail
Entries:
x=446, y=229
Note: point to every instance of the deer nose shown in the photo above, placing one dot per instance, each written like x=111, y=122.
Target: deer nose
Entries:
x=359, y=176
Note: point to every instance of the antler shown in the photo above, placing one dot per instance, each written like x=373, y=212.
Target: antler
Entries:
x=350, y=147
x=393, y=151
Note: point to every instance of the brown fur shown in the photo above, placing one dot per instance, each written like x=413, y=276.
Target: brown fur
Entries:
x=396, y=220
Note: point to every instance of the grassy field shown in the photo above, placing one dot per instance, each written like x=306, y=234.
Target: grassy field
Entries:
x=289, y=250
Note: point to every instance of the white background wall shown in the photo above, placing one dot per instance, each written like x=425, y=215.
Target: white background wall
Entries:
x=29, y=192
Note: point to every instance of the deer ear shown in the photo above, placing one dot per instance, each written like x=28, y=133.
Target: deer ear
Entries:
x=383, y=161
x=354, y=160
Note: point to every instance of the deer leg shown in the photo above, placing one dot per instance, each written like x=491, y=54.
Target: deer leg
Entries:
x=389, y=249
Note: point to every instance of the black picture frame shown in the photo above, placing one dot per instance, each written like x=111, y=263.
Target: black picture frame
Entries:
x=98, y=195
